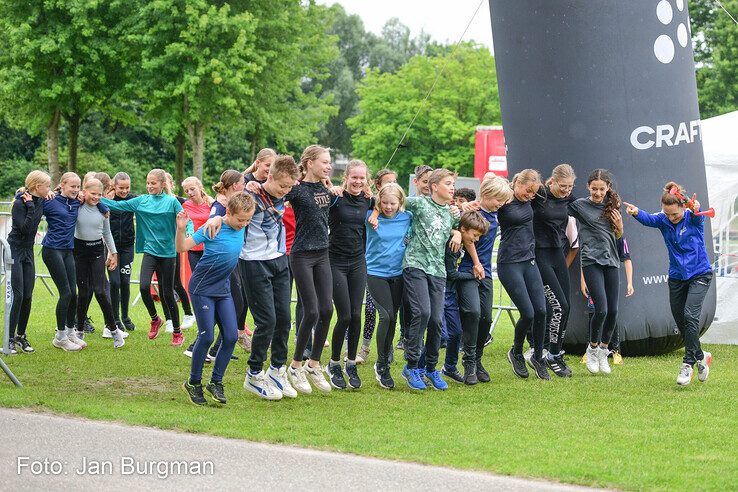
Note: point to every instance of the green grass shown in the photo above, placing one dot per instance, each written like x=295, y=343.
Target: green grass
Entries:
x=632, y=430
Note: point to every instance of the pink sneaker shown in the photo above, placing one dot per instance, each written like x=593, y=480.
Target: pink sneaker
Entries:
x=177, y=339
x=155, y=325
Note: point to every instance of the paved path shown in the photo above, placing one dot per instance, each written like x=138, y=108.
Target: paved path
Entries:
x=51, y=452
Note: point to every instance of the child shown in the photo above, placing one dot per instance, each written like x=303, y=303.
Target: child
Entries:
x=464, y=195
x=210, y=288
x=259, y=170
x=124, y=236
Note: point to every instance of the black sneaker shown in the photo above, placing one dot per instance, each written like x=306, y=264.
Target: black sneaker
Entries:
x=384, y=377
x=194, y=391
x=558, y=366
x=453, y=374
x=335, y=375
x=488, y=340
x=128, y=324
x=517, y=361
x=353, y=376
x=216, y=391
x=470, y=373
x=11, y=347
x=482, y=374
x=119, y=325
x=400, y=344
x=87, y=326
x=540, y=368
x=22, y=345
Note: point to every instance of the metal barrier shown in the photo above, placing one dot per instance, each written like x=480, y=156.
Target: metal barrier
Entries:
x=6, y=260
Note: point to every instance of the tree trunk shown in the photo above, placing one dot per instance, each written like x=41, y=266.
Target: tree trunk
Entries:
x=74, y=122
x=179, y=156
x=196, y=131
x=52, y=147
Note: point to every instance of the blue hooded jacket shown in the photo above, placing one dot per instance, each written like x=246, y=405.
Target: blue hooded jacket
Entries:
x=61, y=217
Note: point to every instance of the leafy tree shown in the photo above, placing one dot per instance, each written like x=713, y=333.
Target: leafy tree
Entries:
x=443, y=134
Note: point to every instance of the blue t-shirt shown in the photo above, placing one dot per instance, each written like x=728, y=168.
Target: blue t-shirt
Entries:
x=484, y=247
x=211, y=277
x=385, y=247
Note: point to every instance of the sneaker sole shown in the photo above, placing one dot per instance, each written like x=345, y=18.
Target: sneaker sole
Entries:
x=62, y=348
x=184, y=387
x=708, y=363
x=512, y=366
x=216, y=400
x=285, y=394
x=247, y=386
x=411, y=386
x=453, y=380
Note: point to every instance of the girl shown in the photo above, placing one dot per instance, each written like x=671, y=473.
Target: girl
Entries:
x=348, y=268
x=259, y=170
x=58, y=256
x=385, y=250
x=600, y=225
x=210, y=287
x=26, y=215
x=124, y=236
x=516, y=268
x=189, y=319
x=197, y=207
x=91, y=231
x=422, y=175
x=690, y=273
x=156, y=214
x=550, y=219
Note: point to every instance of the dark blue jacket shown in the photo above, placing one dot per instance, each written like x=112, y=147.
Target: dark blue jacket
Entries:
x=484, y=247
x=61, y=217
x=685, y=242
x=26, y=217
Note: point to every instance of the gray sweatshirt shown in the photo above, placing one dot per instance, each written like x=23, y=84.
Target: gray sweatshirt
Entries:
x=93, y=226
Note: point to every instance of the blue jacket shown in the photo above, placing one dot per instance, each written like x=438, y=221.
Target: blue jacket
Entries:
x=61, y=217
x=685, y=242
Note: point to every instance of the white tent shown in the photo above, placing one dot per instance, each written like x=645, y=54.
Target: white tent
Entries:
x=719, y=136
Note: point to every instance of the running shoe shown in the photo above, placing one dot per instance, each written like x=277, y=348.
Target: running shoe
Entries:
x=617, y=359
x=436, y=380
x=244, y=341
x=118, y=338
x=584, y=359
x=352, y=374
x=413, y=378
x=128, y=324
x=557, y=364
x=169, y=326
x=453, y=374
x=187, y=322
x=177, y=339
x=488, y=340
x=109, y=334
x=299, y=381
x=400, y=344
x=87, y=326
x=602, y=353
x=278, y=378
x=22, y=345
x=703, y=367
x=528, y=355
x=685, y=375
x=517, y=361
x=215, y=388
x=75, y=336
x=119, y=325
x=384, y=377
x=154, y=330
x=363, y=354
x=11, y=347
x=194, y=392
x=539, y=366
x=65, y=344
x=593, y=364
x=315, y=376
x=482, y=374
x=335, y=375
x=470, y=373
x=258, y=384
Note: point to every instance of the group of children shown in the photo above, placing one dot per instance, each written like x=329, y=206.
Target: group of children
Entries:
x=424, y=260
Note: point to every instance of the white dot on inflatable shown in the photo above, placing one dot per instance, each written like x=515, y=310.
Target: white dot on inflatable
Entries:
x=663, y=48
x=680, y=5
x=664, y=12
x=682, y=35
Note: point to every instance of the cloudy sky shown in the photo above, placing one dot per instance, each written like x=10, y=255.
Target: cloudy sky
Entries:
x=444, y=20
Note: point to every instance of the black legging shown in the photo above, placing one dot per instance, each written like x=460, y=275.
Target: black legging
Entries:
x=314, y=282
x=180, y=290
x=165, y=275
x=120, y=283
x=349, y=285
x=89, y=260
x=387, y=295
x=556, y=288
x=60, y=263
x=522, y=282
x=603, y=284
x=22, y=280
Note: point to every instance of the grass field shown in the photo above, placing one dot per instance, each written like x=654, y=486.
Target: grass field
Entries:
x=632, y=430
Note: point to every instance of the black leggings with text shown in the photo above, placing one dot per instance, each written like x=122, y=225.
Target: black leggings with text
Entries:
x=89, y=260
x=522, y=282
x=556, y=288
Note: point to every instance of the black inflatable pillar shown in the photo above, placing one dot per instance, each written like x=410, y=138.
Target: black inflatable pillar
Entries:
x=611, y=84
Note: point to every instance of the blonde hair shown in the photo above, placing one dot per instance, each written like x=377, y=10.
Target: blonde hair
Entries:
x=33, y=180
x=161, y=176
x=94, y=183
x=353, y=164
x=562, y=171
x=198, y=184
x=310, y=153
x=284, y=165
x=438, y=175
x=263, y=155
x=390, y=189
x=526, y=176
x=121, y=176
x=66, y=177
x=495, y=187
x=240, y=202
x=227, y=179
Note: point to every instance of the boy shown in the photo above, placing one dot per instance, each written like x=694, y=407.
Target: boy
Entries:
x=464, y=195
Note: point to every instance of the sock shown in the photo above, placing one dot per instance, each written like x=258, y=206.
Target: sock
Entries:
x=61, y=334
x=177, y=330
x=155, y=317
x=367, y=342
x=253, y=373
x=350, y=363
x=333, y=363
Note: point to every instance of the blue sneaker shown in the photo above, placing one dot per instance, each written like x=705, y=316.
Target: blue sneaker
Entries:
x=436, y=380
x=412, y=376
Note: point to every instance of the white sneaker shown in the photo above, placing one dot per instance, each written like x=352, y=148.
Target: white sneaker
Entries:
x=703, y=367
x=109, y=334
x=169, y=326
x=260, y=386
x=604, y=365
x=528, y=355
x=76, y=337
x=299, y=381
x=65, y=344
x=118, y=338
x=278, y=377
x=315, y=375
x=685, y=375
x=593, y=363
x=188, y=321
x=363, y=354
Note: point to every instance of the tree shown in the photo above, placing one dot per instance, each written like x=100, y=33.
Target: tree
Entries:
x=443, y=134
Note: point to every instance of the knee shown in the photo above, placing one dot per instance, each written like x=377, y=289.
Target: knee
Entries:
x=230, y=337
x=326, y=313
x=206, y=337
x=310, y=315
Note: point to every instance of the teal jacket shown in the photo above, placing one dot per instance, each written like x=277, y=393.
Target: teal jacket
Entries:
x=156, y=222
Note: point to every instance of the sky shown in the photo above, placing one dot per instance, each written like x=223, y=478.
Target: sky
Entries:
x=444, y=20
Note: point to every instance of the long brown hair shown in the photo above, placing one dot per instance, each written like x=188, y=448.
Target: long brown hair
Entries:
x=612, y=199
x=227, y=179
x=668, y=199
x=310, y=153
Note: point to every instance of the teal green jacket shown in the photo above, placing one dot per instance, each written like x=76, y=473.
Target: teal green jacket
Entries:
x=156, y=222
